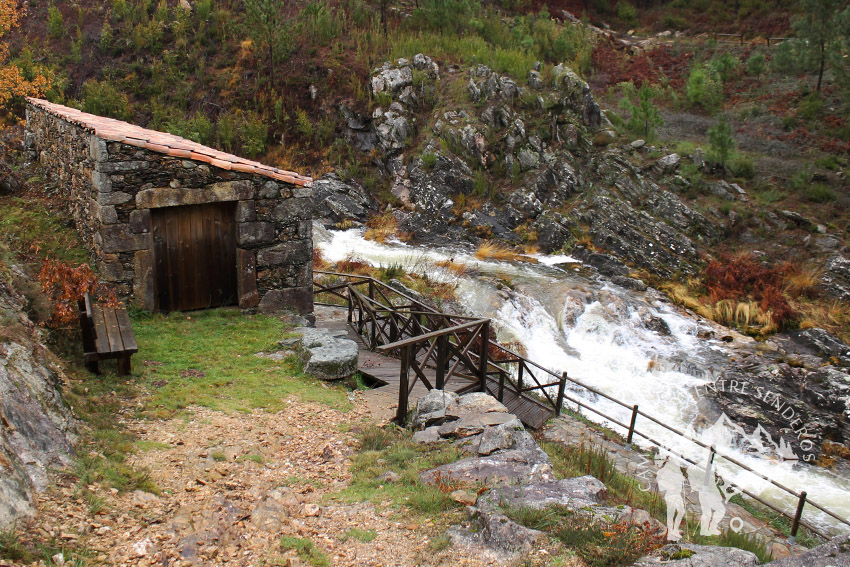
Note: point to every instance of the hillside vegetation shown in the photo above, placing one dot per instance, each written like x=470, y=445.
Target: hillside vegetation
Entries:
x=284, y=82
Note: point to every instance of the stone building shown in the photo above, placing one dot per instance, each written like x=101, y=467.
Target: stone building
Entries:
x=174, y=224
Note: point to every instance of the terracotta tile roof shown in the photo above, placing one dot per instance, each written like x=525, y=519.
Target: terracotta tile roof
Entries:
x=168, y=144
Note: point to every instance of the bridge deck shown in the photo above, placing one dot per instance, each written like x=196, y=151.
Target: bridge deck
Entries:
x=385, y=371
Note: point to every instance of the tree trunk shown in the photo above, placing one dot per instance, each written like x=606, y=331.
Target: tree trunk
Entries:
x=822, y=61
x=384, y=16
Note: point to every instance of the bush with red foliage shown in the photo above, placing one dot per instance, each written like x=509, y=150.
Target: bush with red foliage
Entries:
x=743, y=278
x=613, y=66
x=64, y=285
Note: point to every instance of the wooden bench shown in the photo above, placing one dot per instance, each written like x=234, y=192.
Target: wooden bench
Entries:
x=106, y=334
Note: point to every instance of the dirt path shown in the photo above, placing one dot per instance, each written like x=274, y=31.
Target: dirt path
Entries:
x=232, y=486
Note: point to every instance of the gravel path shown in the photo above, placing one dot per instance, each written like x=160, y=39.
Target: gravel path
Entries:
x=232, y=486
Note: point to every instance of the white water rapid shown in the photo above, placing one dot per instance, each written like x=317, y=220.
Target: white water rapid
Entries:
x=634, y=346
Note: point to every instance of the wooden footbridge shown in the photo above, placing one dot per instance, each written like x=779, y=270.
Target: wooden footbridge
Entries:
x=409, y=348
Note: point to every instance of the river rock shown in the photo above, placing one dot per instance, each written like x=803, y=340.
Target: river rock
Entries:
x=834, y=553
x=692, y=555
x=573, y=494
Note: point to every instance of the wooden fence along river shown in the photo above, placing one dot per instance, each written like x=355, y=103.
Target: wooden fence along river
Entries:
x=446, y=351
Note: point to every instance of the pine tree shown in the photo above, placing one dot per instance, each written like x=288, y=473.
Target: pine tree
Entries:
x=644, y=115
x=268, y=29
x=721, y=143
x=818, y=30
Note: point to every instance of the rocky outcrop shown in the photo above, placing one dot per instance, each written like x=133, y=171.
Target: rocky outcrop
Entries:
x=789, y=392
x=835, y=280
x=508, y=461
x=532, y=151
x=36, y=428
x=336, y=201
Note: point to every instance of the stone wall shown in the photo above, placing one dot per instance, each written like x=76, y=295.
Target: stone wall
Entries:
x=112, y=188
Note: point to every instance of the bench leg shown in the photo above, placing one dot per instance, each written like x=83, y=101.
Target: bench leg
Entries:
x=93, y=367
x=124, y=365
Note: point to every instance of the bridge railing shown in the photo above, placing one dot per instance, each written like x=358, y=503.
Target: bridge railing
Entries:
x=394, y=322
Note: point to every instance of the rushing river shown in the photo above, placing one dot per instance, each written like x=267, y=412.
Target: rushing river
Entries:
x=634, y=346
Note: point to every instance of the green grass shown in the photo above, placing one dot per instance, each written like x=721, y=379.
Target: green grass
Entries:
x=306, y=550
x=390, y=449
x=357, y=534
x=253, y=458
x=745, y=541
x=14, y=548
x=24, y=224
x=569, y=462
x=206, y=358
x=777, y=521
x=599, y=542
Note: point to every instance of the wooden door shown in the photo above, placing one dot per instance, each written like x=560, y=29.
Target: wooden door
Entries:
x=194, y=256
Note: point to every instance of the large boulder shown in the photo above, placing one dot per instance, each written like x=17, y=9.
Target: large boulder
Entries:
x=692, y=555
x=327, y=355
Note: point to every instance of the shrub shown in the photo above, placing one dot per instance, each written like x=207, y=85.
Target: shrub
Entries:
x=819, y=193
x=742, y=166
x=756, y=64
x=704, y=88
x=103, y=98
x=64, y=285
x=744, y=279
x=627, y=13
x=811, y=107
x=725, y=65
x=55, y=25
x=429, y=160
x=253, y=133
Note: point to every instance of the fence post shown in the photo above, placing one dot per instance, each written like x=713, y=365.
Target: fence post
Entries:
x=519, y=377
x=441, y=362
x=485, y=347
x=502, y=386
x=792, y=539
x=632, y=427
x=350, y=308
x=401, y=413
x=562, y=385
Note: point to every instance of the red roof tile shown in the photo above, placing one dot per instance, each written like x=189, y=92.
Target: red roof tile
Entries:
x=168, y=144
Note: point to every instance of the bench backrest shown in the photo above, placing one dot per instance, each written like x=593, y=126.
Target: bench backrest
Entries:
x=87, y=323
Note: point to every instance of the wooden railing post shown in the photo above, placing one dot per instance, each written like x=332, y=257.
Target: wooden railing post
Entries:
x=442, y=361
x=502, y=374
x=632, y=427
x=485, y=347
x=562, y=385
x=350, y=306
x=795, y=525
x=401, y=414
